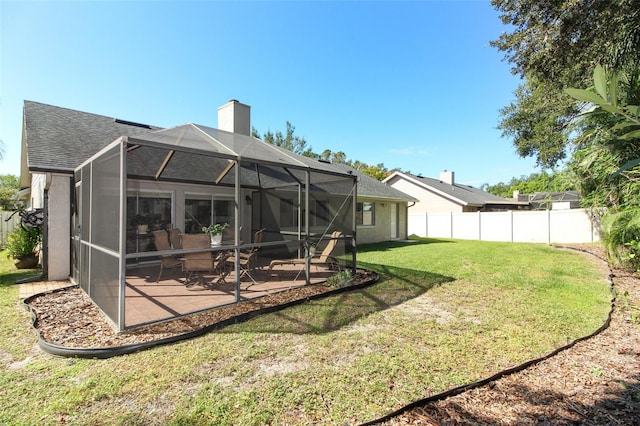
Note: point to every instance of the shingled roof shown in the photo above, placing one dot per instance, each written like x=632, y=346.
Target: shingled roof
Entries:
x=370, y=187
x=460, y=193
x=59, y=139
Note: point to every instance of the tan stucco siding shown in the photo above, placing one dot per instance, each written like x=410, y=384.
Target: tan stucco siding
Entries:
x=58, y=227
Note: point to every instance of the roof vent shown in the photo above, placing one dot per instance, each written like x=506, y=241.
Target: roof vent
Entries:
x=131, y=123
x=322, y=160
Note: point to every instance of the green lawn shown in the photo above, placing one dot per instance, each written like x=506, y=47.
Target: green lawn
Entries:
x=445, y=312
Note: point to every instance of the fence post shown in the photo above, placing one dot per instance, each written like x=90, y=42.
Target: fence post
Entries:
x=511, y=224
x=426, y=219
x=451, y=224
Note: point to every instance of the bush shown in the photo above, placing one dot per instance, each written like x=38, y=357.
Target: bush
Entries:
x=622, y=237
x=23, y=241
x=341, y=279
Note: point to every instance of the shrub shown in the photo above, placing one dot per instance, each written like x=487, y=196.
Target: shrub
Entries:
x=341, y=279
x=23, y=241
x=622, y=236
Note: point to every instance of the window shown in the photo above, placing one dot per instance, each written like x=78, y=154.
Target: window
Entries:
x=288, y=213
x=320, y=214
x=200, y=210
x=150, y=208
x=365, y=214
x=147, y=211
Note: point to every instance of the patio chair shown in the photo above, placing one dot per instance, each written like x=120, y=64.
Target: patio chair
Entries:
x=247, y=260
x=161, y=241
x=325, y=258
x=175, y=238
x=195, y=265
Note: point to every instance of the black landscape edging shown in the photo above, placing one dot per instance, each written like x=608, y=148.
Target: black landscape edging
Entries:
x=463, y=388
x=104, y=353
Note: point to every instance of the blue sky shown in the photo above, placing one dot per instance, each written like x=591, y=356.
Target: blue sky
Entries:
x=413, y=85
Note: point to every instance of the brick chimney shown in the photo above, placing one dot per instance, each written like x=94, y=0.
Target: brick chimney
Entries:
x=235, y=117
x=447, y=177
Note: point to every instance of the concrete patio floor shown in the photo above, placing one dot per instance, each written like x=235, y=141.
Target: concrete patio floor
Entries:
x=149, y=301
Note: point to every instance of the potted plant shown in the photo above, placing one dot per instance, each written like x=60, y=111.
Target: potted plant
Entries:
x=312, y=248
x=142, y=221
x=215, y=231
x=22, y=245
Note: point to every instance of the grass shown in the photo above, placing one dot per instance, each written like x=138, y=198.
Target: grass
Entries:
x=14, y=319
x=444, y=313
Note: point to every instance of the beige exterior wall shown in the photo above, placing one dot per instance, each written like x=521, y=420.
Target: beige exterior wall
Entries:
x=381, y=231
x=429, y=201
x=59, y=231
x=58, y=220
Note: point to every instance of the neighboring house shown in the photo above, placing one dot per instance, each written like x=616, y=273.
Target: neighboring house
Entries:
x=563, y=200
x=446, y=195
x=56, y=141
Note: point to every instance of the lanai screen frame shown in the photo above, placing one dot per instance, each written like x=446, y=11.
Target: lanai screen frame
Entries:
x=99, y=253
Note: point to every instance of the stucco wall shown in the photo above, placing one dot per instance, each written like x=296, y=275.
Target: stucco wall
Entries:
x=58, y=227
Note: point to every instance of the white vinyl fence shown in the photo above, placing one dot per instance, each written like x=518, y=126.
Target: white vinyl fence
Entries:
x=545, y=226
x=7, y=227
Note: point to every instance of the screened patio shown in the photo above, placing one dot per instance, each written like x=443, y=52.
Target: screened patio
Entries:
x=135, y=193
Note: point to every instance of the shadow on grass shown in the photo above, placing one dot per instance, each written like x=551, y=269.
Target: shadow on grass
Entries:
x=10, y=278
x=396, y=286
x=364, y=248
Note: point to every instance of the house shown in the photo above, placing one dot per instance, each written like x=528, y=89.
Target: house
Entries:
x=97, y=177
x=447, y=195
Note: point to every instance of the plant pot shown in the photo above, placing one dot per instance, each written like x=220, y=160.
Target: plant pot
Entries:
x=26, y=262
x=312, y=251
x=142, y=229
x=216, y=240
